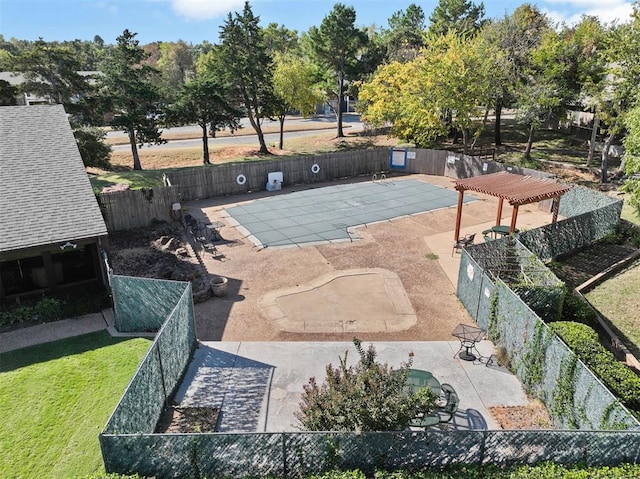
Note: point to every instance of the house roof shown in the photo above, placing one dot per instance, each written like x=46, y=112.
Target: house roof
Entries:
x=516, y=189
x=45, y=193
x=17, y=78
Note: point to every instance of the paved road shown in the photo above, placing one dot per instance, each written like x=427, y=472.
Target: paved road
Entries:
x=247, y=135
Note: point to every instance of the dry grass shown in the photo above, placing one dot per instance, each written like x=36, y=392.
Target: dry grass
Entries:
x=173, y=135
x=153, y=158
x=532, y=416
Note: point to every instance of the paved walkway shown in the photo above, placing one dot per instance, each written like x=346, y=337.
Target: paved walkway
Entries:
x=45, y=333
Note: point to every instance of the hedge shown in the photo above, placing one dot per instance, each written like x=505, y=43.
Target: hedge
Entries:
x=620, y=380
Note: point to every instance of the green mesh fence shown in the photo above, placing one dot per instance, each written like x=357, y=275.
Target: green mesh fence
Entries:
x=579, y=200
x=304, y=453
x=525, y=274
x=590, y=217
x=160, y=371
x=143, y=304
x=547, y=368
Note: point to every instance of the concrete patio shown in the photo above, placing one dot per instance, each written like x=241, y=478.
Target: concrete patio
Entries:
x=258, y=385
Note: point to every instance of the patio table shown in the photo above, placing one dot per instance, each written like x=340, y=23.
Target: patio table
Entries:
x=418, y=378
x=468, y=336
x=498, y=231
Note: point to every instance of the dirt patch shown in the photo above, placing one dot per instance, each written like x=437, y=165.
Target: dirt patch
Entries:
x=186, y=420
x=160, y=252
x=576, y=268
x=531, y=416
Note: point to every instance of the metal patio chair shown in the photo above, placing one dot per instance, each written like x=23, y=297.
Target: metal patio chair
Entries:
x=463, y=242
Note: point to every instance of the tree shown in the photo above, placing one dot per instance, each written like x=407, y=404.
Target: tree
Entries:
x=455, y=75
x=617, y=93
x=8, y=93
x=632, y=158
x=278, y=38
x=336, y=44
x=442, y=88
x=295, y=85
x=176, y=66
x=246, y=65
x=93, y=149
x=381, y=97
x=51, y=72
x=405, y=36
x=463, y=16
x=204, y=101
x=132, y=90
x=509, y=43
x=549, y=85
x=368, y=396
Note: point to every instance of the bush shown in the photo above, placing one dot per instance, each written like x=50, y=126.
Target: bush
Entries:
x=93, y=150
x=539, y=471
x=368, y=396
x=620, y=380
x=575, y=309
x=46, y=309
x=66, y=305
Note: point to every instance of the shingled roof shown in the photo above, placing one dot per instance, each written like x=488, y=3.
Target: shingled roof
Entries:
x=45, y=194
x=516, y=189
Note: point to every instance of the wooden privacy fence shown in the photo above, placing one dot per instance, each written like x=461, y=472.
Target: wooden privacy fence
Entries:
x=236, y=178
x=131, y=209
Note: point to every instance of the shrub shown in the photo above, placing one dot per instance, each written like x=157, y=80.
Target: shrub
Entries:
x=575, y=309
x=583, y=340
x=48, y=309
x=93, y=150
x=547, y=470
x=368, y=396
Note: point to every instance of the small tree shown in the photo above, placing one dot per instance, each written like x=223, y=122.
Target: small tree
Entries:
x=295, y=86
x=203, y=101
x=368, y=396
x=93, y=149
x=131, y=87
x=337, y=44
x=245, y=64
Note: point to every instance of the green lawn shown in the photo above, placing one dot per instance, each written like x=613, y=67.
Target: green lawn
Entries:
x=629, y=213
x=54, y=400
x=618, y=299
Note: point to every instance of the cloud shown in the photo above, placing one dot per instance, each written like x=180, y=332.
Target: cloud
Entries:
x=109, y=7
x=205, y=9
x=571, y=11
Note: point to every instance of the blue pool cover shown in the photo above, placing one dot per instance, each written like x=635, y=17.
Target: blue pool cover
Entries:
x=324, y=214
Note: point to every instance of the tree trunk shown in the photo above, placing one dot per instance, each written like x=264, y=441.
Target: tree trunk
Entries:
x=281, y=118
x=594, y=136
x=255, y=123
x=604, y=164
x=205, y=146
x=497, y=136
x=134, y=149
x=527, y=153
x=340, y=103
x=465, y=139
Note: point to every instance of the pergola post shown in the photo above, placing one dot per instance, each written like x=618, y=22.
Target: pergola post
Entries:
x=555, y=207
x=459, y=214
x=499, y=217
x=514, y=218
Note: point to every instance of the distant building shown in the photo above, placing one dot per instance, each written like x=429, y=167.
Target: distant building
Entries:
x=52, y=233
x=16, y=79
